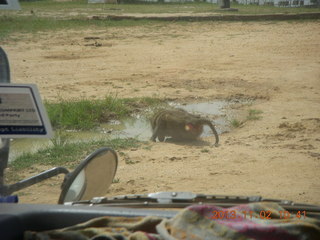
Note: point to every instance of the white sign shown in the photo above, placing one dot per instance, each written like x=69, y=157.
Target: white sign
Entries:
x=10, y=5
x=22, y=114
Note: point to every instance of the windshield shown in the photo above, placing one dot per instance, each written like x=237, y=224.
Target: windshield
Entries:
x=105, y=70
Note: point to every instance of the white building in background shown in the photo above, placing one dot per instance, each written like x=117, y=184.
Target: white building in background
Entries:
x=278, y=3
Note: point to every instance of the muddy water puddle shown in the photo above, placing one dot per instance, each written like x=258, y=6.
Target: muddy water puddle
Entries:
x=221, y=112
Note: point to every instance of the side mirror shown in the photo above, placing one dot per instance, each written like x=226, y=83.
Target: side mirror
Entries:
x=91, y=178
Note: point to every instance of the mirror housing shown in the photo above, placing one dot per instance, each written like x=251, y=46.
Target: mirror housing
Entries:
x=92, y=178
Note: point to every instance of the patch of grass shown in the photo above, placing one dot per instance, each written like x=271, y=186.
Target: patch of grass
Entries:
x=69, y=153
x=121, y=153
x=136, y=6
x=235, y=123
x=33, y=24
x=254, y=114
x=49, y=15
x=85, y=114
x=126, y=6
x=60, y=138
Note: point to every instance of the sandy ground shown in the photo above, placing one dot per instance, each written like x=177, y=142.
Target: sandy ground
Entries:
x=275, y=63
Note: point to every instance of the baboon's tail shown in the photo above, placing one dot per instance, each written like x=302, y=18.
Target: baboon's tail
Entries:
x=214, y=132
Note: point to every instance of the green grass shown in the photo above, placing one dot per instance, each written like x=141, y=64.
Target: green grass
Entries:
x=69, y=153
x=85, y=114
x=82, y=6
x=130, y=6
x=205, y=150
x=26, y=24
x=49, y=15
x=254, y=114
x=235, y=123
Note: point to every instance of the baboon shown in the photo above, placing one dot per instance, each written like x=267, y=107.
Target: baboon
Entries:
x=180, y=125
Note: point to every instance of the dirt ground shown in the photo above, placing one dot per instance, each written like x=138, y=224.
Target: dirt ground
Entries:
x=275, y=63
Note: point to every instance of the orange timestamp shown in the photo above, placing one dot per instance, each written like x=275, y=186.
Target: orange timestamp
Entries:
x=264, y=214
